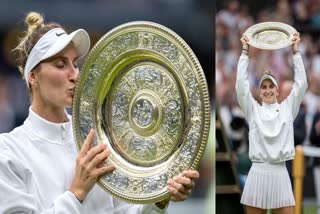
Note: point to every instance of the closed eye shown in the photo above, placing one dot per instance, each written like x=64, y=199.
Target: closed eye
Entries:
x=60, y=63
x=75, y=64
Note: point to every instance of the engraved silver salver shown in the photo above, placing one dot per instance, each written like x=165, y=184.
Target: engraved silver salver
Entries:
x=143, y=91
x=270, y=35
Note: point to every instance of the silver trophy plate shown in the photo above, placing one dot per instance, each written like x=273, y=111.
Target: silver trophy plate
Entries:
x=143, y=91
x=270, y=35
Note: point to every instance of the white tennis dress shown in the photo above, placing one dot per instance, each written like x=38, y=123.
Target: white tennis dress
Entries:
x=271, y=141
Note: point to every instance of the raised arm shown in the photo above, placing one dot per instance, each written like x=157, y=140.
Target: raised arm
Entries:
x=300, y=79
x=242, y=83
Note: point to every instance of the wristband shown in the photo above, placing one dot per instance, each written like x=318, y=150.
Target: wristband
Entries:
x=245, y=51
x=162, y=204
x=79, y=199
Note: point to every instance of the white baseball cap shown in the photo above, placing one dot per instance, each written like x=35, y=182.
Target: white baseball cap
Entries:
x=52, y=43
x=268, y=76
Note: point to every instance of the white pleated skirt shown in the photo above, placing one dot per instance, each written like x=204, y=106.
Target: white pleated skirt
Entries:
x=268, y=186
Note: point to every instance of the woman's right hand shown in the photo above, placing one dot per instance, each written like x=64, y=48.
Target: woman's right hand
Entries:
x=244, y=40
x=295, y=42
x=89, y=167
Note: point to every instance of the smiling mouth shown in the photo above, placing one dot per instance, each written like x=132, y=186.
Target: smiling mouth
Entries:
x=268, y=95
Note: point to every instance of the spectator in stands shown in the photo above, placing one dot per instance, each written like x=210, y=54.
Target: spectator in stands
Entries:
x=300, y=14
x=315, y=130
x=299, y=124
x=271, y=138
x=7, y=116
x=315, y=141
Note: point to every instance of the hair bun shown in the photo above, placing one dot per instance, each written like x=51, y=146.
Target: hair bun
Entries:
x=267, y=72
x=33, y=20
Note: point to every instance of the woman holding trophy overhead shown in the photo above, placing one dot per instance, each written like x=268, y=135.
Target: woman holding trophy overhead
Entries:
x=271, y=141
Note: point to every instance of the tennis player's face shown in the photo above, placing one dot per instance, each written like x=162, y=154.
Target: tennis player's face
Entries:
x=57, y=78
x=268, y=92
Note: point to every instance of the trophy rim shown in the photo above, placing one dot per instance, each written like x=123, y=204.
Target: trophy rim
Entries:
x=268, y=29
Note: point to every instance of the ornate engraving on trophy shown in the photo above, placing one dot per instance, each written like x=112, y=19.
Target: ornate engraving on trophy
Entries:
x=119, y=109
x=145, y=40
x=148, y=76
x=145, y=102
x=135, y=185
x=141, y=91
x=154, y=184
x=172, y=118
x=143, y=112
x=117, y=180
x=144, y=149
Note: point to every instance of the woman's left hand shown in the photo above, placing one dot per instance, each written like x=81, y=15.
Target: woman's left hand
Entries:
x=181, y=186
x=295, y=42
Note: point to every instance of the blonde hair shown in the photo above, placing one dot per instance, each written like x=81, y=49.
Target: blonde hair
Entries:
x=267, y=72
x=36, y=29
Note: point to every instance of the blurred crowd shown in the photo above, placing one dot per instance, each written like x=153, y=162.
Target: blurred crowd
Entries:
x=14, y=99
x=232, y=19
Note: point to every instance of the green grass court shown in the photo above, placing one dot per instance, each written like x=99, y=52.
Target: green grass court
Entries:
x=307, y=209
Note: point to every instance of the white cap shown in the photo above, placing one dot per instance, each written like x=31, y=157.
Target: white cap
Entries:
x=268, y=77
x=52, y=43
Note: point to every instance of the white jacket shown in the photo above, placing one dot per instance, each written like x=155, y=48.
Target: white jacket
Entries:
x=271, y=126
x=37, y=166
